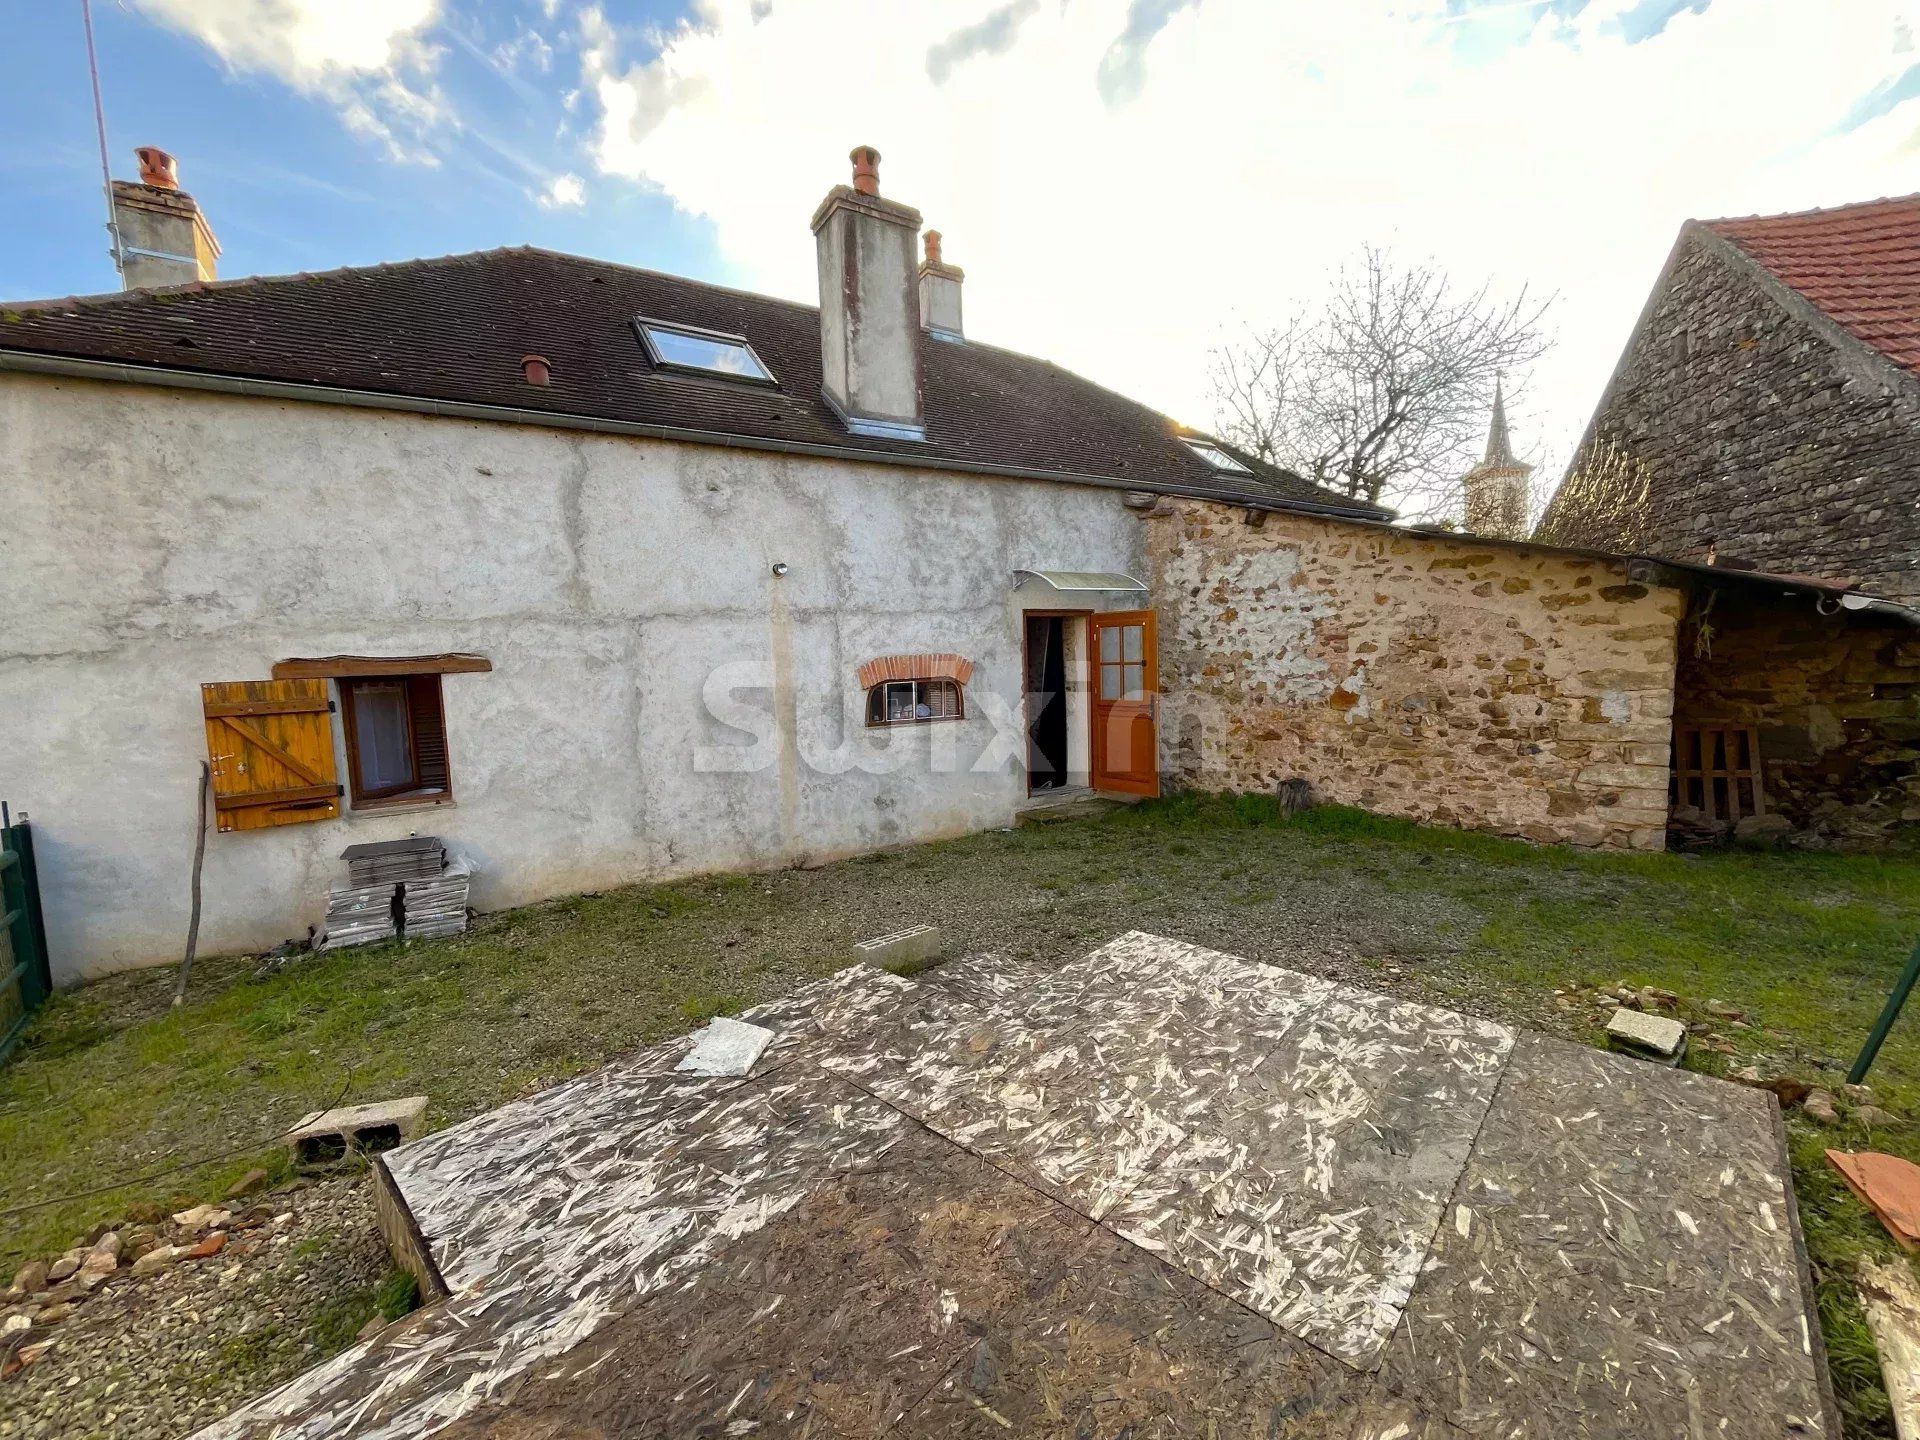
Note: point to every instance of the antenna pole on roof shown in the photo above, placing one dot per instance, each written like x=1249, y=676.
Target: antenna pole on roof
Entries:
x=100, y=127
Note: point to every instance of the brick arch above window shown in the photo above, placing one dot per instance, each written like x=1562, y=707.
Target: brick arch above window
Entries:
x=883, y=668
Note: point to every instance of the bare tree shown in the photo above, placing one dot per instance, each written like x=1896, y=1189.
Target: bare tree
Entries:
x=1384, y=390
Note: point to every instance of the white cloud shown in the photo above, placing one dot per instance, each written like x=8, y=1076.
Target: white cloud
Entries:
x=563, y=192
x=1243, y=148
x=369, y=57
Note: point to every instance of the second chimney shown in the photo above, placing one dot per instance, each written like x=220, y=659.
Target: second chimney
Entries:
x=164, y=239
x=869, y=306
x=940, y=293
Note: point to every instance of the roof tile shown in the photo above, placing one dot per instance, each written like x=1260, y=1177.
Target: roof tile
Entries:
x=1860, y=264
x=455, y=329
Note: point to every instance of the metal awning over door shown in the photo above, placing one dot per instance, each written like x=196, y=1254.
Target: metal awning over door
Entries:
x=1083, y=581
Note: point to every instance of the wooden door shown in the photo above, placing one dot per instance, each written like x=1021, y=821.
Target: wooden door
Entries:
x=1126, y=702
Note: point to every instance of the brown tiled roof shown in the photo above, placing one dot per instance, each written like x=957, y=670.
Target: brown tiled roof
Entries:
x=1860, y=264
x=455, y=329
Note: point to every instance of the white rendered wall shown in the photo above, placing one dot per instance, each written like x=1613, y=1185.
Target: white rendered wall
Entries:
x=156, y=539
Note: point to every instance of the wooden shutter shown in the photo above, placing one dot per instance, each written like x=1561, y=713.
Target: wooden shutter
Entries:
x=429, y=732
x=270, y=743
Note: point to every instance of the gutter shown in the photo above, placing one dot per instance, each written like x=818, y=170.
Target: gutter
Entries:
x=30, y=362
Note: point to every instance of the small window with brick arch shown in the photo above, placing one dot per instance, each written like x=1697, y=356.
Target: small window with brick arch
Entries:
x=914, y=702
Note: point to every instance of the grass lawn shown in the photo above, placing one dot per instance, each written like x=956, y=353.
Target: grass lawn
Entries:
x=111, y=1086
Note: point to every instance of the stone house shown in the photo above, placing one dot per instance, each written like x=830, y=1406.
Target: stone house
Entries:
x=604, y=575
x=1765, y=417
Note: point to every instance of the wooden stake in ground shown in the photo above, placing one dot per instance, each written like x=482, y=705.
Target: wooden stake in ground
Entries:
x=199, y=854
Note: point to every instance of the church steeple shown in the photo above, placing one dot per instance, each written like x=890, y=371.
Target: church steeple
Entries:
x=1497, y=487
x=1499, y=446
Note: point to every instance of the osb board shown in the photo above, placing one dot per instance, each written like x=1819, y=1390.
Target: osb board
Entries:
x=1891, y=1298
x=1127, y=1346
x=640, y=1210
x=1386, y=1417
x=1620, y=1260
x=984, y=980
x=1028, y=1100
x=1311, y=1190
x=473, y=1186
x=1321, y=1128
x=627, y=1194
x=834, y=1320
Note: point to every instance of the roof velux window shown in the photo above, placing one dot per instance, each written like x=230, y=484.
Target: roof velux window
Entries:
x=702, y=352
x=1216, y=457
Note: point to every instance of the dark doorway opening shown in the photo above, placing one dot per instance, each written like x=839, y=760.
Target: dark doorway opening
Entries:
x=1046, y=702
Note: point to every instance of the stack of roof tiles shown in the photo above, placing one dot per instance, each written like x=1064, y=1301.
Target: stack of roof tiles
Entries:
x=436, y=906
x=397, y=887
x=359, y=915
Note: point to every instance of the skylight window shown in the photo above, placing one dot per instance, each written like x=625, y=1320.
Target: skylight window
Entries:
x=1216, y=457
x=702, y=352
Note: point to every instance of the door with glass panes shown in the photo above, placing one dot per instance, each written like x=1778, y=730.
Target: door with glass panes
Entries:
x=1126, y=702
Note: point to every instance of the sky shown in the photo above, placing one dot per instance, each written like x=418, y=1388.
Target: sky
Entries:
x=1127, y=183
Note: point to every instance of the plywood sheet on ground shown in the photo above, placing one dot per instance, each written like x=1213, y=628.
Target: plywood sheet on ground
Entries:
x=1159, y=1192
x=646, y=1208
x=476, y=1188
x=833, y=1320
x=1124, y=1344
x=1621, y=1261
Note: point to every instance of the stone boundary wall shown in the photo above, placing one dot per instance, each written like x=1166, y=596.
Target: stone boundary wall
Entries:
x=1437, y=678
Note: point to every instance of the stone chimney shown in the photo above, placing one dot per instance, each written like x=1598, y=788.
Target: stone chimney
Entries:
x=869, y=306
x=1497, y=487
x=164, y=239
x=940, y=293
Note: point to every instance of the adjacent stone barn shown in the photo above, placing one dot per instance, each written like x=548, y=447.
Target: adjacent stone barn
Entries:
x=1823, y=689
x=1766, y=412
x=1764, y=423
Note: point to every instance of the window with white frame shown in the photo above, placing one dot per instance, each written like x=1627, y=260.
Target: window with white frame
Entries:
x=913, y=702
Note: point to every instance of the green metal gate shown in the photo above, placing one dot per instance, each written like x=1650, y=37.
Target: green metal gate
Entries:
x=25, y=976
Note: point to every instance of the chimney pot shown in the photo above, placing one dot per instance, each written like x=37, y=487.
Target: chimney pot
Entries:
x=157, y=168
x=160, y=236
x=535, y=369
x=940, y=293
x=866, y=169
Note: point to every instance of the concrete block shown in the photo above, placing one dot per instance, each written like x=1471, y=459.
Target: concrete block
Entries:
x=915, y=945
x=329, y=1134
x=1654, y=1036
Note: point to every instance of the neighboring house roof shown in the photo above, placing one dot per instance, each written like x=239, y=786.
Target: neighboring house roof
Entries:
x=455, y=329
x=1858, y=264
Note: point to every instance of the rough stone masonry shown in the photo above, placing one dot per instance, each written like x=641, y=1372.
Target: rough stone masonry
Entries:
x=1766, y=435
x=1495, y=687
